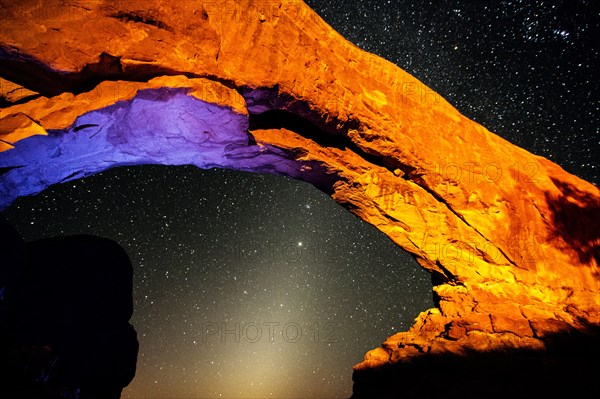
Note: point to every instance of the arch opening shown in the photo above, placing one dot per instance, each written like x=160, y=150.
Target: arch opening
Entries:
x=300, y=232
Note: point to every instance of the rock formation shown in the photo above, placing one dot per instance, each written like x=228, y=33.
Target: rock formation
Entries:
x=65, y=305
x=510, y=238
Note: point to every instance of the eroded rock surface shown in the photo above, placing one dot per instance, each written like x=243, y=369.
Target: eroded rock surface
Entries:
x=510, y=238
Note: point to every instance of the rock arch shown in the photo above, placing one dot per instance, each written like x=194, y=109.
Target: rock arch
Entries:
x=510, y=237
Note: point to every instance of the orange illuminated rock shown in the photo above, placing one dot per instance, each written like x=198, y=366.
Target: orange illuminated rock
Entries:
x=511, y=239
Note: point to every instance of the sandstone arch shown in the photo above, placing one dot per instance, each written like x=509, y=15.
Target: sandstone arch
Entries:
x=510, y=238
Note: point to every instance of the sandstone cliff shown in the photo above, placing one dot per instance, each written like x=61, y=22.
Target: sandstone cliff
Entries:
x=510, y=238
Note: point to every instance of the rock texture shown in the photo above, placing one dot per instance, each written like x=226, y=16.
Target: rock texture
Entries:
x=510, y=238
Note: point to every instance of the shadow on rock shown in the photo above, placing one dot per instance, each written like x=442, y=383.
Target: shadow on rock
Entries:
x=575, y=216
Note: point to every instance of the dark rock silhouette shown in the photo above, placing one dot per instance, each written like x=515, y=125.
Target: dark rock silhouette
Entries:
x=565, y=369
x=64, y=317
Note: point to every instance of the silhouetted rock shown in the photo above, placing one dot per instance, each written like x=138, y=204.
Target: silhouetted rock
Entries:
x=65, y=318
x=566, y=368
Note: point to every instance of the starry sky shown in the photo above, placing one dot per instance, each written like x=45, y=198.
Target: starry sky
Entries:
x=255, y=286
x=526, y=70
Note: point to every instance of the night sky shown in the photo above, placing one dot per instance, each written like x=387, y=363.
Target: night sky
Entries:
x=258, y=286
